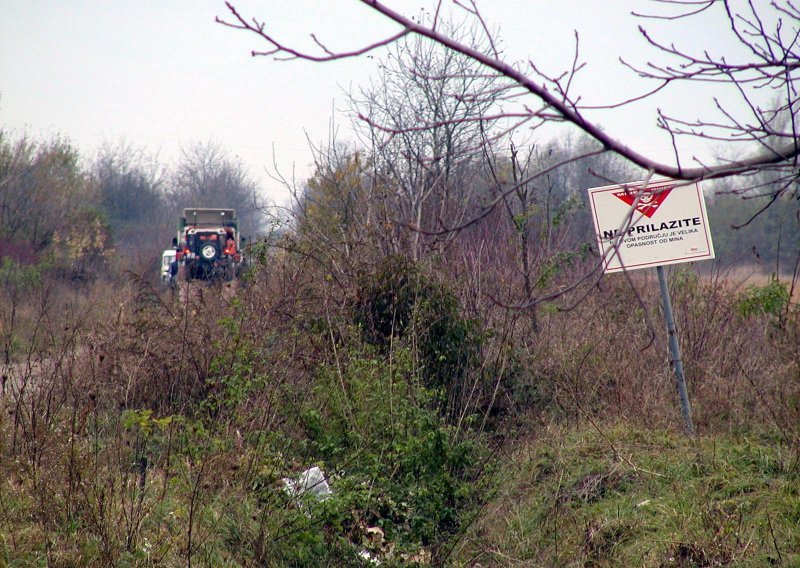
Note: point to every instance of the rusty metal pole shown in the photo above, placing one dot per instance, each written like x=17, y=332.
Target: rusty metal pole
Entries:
x=675, y=352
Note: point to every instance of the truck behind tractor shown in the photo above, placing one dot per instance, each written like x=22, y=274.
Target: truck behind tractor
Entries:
x=208, y=244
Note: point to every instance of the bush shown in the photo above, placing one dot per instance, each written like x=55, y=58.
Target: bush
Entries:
x=770, y=300
x=400, y=302
x=398, y=466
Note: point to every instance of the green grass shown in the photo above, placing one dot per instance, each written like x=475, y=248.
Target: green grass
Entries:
x=641, y=498
x=569, y=497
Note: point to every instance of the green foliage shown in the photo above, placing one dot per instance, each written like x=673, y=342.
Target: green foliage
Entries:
x=685, y=283
x=400, y=302
x=162, y=437
x=398, y=465
x=142, y=422
x=770, y=300
x=560, y=261
x=521, y=220
x=235, y=370
x=567, y=208
x=15, y=276
x=19, y=284
x=386, y=302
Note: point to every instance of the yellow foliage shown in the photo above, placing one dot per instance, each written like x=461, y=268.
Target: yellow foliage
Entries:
x=333, y=198
x=81, y=244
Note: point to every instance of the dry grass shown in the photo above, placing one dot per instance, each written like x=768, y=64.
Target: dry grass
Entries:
x=203, y=385
x=739, y=277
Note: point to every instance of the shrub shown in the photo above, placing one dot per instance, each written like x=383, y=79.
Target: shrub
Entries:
x=770, y=300
x=398, y=466
x=400, y=302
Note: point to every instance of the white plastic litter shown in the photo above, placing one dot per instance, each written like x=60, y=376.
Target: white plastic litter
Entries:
x=311, y=481
x=369, y=557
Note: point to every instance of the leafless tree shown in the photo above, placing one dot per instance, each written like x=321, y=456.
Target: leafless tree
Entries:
x=768, y=35
x=332, y=208
x=206, y=176
x=427, y=121
x=758, y=136
x=131, y=187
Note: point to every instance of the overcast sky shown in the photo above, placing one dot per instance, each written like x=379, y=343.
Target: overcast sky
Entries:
x=164, y=75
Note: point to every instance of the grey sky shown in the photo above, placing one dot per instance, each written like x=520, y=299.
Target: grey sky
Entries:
x=163, y=75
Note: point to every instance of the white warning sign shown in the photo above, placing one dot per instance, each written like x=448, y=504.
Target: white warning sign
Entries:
x=669, y=224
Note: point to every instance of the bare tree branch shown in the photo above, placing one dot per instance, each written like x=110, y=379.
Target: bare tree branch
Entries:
x=774, y=63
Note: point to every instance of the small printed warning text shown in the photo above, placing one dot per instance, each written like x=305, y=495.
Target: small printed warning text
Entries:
x=664, y=224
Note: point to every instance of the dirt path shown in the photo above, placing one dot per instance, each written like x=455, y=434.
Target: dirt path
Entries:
x=197, y=290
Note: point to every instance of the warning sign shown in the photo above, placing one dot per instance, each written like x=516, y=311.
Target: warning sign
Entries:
x=668, y=225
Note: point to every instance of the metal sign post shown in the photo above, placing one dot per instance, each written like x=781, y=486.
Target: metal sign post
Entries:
x=654, y=223
x=675, y=352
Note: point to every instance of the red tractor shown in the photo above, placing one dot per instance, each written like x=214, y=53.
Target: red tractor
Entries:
x=208, y=244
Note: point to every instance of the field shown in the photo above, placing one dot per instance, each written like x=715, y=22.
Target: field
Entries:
x=740, y=277
x=151, y=431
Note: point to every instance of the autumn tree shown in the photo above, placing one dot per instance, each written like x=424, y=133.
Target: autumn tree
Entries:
x=49, y=208
x=334, y=207
x=42, y=185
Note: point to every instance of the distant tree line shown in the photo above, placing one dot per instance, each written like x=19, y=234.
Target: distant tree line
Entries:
x=748, y=230
x=440, y=168
x=80, y=215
